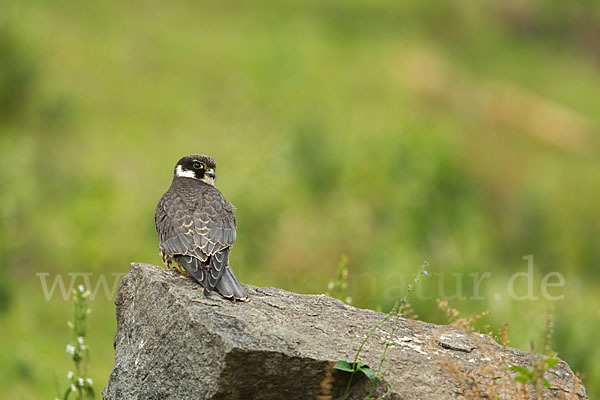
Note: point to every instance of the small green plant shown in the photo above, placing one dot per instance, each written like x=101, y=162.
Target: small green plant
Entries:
x=337, y=287
x=540, y=365
x=535, y=374
x=356, y=366
x=395, y=313
x=81, y=384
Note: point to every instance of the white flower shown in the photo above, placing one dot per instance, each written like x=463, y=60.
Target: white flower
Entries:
x=81, y=288
x=83, y=347
x=330, y=286
x=70, y=375
x=80, y=340
x=73, y=388
x=348, y=300
x=80, y=382
x=70, y=349
x=90, y=381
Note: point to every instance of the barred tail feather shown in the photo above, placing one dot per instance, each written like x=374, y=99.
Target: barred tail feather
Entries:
x=230, y=287
x=194, y=268
x=218, y=263
x=216, y=276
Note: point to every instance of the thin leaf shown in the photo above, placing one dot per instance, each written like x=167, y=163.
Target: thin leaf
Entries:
x=90, y=392
x=521, y=378
x=551, y=362
x=546, y=383
x=521, y=370
x=369, y=373
x=67, y=392
x=344, y=366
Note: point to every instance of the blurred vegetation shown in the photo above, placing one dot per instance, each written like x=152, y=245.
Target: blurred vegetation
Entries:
x=462, y=133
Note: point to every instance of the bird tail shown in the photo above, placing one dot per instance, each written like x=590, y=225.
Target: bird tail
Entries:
x=194, y=267
x=230, y=287
x=227, y=284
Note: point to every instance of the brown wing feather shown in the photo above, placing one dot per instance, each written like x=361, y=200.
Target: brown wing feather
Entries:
x=201, y=229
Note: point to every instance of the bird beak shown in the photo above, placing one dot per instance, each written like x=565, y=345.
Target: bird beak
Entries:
x=210, y=172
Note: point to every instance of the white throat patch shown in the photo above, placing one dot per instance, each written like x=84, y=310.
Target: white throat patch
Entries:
x=208, y=179
x=184, y=174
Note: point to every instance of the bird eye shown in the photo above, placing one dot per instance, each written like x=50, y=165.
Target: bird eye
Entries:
x=197, y=165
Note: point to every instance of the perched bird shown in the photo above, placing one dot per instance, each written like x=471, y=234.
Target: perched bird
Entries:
x=196, y=228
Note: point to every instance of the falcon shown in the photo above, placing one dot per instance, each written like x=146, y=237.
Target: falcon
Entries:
x=196, y=228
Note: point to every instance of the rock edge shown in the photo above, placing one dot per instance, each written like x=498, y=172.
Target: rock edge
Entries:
x=172, y=342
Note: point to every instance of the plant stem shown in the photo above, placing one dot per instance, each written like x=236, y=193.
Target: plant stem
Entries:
x=388, y=343
x=346, y=392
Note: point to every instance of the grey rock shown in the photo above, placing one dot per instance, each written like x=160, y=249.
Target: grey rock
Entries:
x=456, y=341
x=172, y=342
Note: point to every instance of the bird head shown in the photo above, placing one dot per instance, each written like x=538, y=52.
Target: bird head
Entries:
x=197, y=167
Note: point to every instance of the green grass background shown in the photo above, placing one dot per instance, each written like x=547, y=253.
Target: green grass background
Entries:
x=462, y=133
